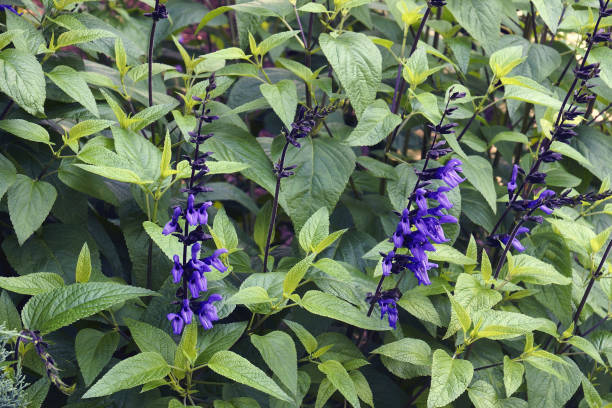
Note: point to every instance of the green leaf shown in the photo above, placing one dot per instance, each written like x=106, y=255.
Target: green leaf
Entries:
x=325, y=304
x=546, y=390
x=483, y=395
x=282, y=97
x=25, y=130
x=87, y=128
x=364, y=392
x=60, y=307
x=313, y=8
x=167, y=243
x=591, y=395
x=586, y=346
x=220, y=337
x=449, y=379
x=462, y=315
x=328, y=240
x=8, y=174
x=8, y=313
x=357, y=63
x=413, y=351
x=533, y=96
x=37, y=392
x=83, y=268
x=570, y=152
x=337, y=375
x=211, y=15
x=375, y=124
x=501, y=325
x=421, y=307
x=295, y=274
x=225, y=167
x=531, y=270
x=29, y=203
x=94, y=350
x=151, y=114
x=300, y=70
x=278, y=351
x=481, y=19
x=22, y=79
x=473, y=295
x=224, y=232
x=308, y=340
x=324, y=167
x=513, y=375
x=251, y=295
x=269, y=8
x=274, y=41
x=81, y=36
x=73, y=84
x=239, y=369
x=479, y=173
x=333, y=268
x=401, y=187
x=151, y=339
x=114, y=173
x=186, y=352
x=446, y=253
x=324, y=393
x=550, y=11
x=376, y=167
x=505, y=60
x=32, y=283
x=514, y=137
x=315, y=229
x=131, y=372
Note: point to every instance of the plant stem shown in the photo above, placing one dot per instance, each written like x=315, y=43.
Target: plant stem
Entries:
x=6, y=109
x=150, y=59
x=281, y=164
x=587, y=291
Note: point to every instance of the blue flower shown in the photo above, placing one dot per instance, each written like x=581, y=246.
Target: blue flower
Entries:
x=439, y=196
x=448, y=173
x=388, y=263
x=9, y=8
x=430, y=226
x=202, y=214
x=197, y=283
x=214, y=260
x=389, y=307
x=515, y=242
x=172, y=225
x=177, y=269
x=208, y=312
x=512, y=183
x=176, y=322
x=186, y=312
x=191, y=215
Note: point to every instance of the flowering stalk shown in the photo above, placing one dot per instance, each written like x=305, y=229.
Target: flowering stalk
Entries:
x=562, y=131
x=191, y=272
x=34, y=337
x=417, y=227
x=158, y=13
x=300, y=128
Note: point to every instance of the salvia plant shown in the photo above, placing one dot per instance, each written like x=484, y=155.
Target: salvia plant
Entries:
x=305, y=204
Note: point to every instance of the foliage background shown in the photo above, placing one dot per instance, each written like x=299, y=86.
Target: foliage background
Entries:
x=85, y=189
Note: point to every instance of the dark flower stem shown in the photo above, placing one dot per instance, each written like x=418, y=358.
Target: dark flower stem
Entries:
x=538, y=162
x=6, y=109
x=281, y=165
x=589, y=287
x=150, y=59
x=397, y=93
x=416, y=185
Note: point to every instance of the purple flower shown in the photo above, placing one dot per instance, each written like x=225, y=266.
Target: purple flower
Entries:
x=515, y=242
x=208, y=312
x=430, y=226
x=177, y=269
x=398, y=237
x=448, y=173
x=439, y=196
x=172, y=225
x=186, y=312
x=192, y=215
x=202, y=214
x=420, y=269
x=405, y=221
x=177, y=323
x=9, y=8
x=197, y=283
x=512, y=183
x=388, y=307
x=387, y=263
x=214, y=260
x=420, y=200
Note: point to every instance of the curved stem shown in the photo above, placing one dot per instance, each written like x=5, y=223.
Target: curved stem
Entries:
x=281, y=164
